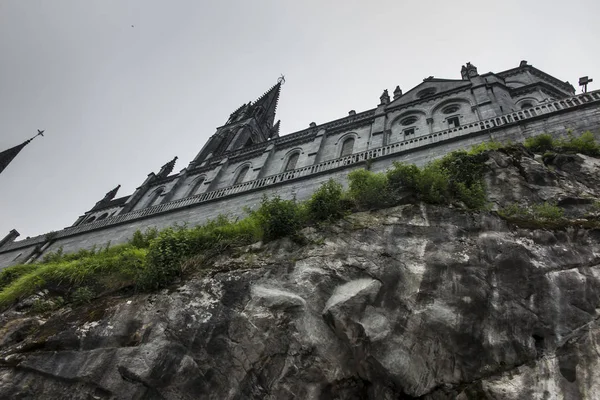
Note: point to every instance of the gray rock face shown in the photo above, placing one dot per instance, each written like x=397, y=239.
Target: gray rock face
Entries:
x=409, y=302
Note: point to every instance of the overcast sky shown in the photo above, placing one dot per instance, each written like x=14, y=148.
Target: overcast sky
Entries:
x=123, y=86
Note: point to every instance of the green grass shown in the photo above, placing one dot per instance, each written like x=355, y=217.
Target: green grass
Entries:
x=153, y=260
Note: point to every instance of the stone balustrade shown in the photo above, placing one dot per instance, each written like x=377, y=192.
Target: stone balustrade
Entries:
x=343, y=162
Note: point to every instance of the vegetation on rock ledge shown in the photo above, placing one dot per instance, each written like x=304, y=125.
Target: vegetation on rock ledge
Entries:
x=153, y=259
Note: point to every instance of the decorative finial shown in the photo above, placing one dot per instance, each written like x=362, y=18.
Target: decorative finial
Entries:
x=281, y=79
x=385, y=98
x=397, y=92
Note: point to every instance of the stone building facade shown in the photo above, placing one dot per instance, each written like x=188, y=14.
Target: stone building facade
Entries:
x=247, y=158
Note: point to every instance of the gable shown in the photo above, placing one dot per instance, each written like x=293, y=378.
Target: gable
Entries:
x=434, y=86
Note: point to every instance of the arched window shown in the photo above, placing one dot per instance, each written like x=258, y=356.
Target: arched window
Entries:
x=292, y=161
x=92, y=219
x=241, y=175
x=196, y=186
x=103, y=216
x=347, y=147
x=526, y=105
x=154, y=197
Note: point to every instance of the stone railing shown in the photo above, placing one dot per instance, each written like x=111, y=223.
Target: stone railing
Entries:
x=394, y=148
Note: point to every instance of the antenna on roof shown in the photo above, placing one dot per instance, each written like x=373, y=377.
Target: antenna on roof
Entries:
x=583, y=82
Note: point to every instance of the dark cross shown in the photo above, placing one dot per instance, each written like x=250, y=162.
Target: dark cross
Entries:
x=40, y=133
x=583, y=82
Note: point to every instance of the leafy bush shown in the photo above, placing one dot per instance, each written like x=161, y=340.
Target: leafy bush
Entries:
x=327, y=202
x=486, y=146
x=456, y=177
x=585, y=144
x=142, y=240
x=403, y=177
x=540, y=143
x=278, y=218
x=82, y=295
x=546, y=211
x=368, y=189
x=173, y=246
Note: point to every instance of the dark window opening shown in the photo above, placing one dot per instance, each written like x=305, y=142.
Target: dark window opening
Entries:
x=347, y=147
x=249, y=142
x=453, y=122
x=196, y=186
x=92, y=219
x=292, y=161
x=153, y=198
x=103, y=216
x=409, y=120
x=241, y=176
x=408, y=132
x=526, y=105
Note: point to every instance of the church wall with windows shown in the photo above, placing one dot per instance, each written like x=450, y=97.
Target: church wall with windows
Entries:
x=247, y=153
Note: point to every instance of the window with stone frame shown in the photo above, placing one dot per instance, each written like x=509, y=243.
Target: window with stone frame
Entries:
x=196, y=186
x=153, y=198
x=409, y=132
x=292, y=161
x=347, y=147
x=453, y=122
x=241, y=175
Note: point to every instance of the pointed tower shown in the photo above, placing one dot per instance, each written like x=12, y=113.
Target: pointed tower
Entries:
x=166, y=169
x=8, y=155
x=251, y=123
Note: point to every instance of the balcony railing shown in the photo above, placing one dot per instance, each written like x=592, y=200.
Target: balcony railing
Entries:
x=398, y=147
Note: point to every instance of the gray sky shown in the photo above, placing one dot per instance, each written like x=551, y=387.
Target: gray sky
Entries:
x=117, y=101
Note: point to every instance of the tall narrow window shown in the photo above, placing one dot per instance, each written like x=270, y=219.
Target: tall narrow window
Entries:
x=196, y=187
x=92, y=219
x=153, y=198
x=241, y=176
x=103, y=216
x=347, y=147
x=292, y=161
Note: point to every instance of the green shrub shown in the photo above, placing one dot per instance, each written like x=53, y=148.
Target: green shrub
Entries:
x=169, y=251
x=141, y=239
x=546, y=211
x=586, y=144
x=486, y=146
x=278, y=218
x=368, y=189
x=403, y=177
x=433, y=184
x=326, y=203
x=45, y=305
x=540, y=143
x=514, y=211
x=82, y=295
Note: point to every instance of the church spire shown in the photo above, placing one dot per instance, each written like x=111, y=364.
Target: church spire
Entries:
x=8, y=155
x=265, y=106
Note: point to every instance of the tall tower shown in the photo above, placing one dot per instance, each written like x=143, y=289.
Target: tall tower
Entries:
x=251, y=123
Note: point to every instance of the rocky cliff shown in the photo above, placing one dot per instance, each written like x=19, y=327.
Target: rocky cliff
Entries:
x=416, y=301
